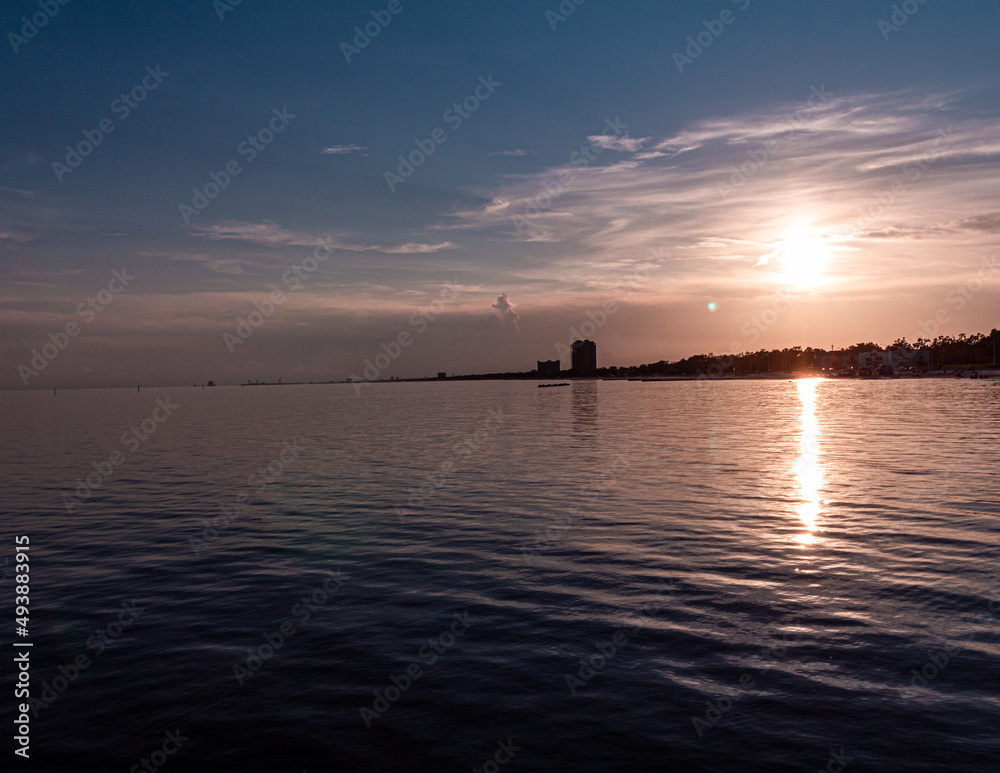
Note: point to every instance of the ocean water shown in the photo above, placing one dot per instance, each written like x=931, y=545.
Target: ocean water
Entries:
x=713, y=575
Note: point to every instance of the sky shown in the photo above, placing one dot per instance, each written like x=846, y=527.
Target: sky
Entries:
x=194, y=191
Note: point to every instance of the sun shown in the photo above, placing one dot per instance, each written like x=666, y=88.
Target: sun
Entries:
x=802, y=258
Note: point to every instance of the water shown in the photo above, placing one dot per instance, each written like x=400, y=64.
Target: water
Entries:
x=754, y=574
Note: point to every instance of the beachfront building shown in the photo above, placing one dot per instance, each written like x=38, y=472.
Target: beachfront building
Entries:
x=584, y=356
x=548, y=368
x=895, y=358
x=834, y=360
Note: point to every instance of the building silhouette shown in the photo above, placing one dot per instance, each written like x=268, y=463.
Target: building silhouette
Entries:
x=548, y=368
x=895, y=358
x=584, y=356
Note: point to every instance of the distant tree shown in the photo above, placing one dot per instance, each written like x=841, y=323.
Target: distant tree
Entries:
x=861, y=348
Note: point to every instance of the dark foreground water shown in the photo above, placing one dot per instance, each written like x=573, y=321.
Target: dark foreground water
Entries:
x=612, y=576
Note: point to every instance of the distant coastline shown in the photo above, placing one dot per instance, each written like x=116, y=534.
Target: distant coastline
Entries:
x=985, y=372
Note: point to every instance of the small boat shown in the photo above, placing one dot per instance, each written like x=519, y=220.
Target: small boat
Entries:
x=544, y=386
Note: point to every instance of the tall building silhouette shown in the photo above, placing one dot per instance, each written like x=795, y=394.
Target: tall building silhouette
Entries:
x=584, y=356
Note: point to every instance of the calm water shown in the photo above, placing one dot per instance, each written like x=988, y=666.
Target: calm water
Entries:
x=611, y=576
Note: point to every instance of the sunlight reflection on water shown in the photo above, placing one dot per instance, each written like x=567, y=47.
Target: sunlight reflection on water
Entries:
x=807, y=468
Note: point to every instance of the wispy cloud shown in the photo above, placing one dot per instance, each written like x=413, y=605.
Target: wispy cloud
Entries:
x=413, y=248
x=892, y=173
x=232, y=266
x=517, y=152
x=343, y=150
x=273, y=235
x=990, y=223
x=10, y=235
x=621, y=144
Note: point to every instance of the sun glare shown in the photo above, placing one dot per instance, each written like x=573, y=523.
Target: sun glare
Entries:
x=801, y=258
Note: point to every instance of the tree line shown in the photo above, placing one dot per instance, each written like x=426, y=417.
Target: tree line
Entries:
x=961, y=351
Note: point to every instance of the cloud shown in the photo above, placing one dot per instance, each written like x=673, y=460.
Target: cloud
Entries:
x=503, y=309
x=517, y=152
x=7, y=234
x=19, y=192
x=498, y=204
x=724, y=191
x=413, y=248
x=273, y=235
x=989, y=223
x=621, y=144
x=343, y=150
x=213, y=264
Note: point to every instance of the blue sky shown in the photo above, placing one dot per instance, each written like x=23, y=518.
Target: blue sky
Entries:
x=823, y=108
